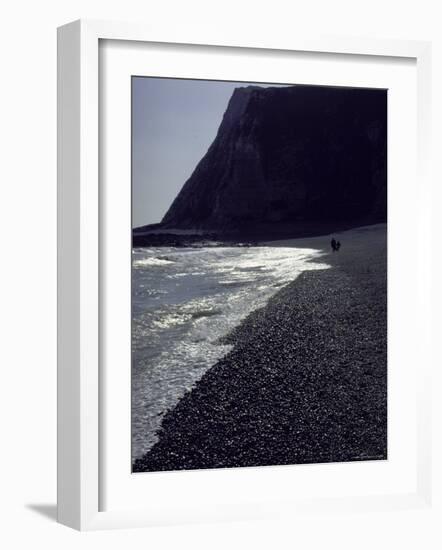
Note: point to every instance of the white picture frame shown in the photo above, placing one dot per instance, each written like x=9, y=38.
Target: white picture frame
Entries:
x=79, y=367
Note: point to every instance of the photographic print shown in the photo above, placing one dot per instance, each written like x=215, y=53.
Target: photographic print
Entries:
x=259, y=274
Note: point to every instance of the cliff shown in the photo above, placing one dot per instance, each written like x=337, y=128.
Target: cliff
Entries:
x=292, y=156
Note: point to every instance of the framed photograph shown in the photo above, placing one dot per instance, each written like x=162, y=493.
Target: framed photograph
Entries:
x=243, y=258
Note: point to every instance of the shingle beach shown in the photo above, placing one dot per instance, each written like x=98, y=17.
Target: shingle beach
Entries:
x=306, y=379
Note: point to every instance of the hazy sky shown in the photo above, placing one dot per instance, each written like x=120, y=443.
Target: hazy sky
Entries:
x=173, y=124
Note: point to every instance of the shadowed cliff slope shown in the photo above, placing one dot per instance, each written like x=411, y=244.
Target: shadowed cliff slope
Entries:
x=290, y=156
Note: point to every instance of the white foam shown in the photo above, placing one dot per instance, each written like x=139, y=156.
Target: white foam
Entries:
x=151, y=261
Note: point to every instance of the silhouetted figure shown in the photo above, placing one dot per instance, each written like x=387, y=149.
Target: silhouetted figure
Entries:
x=333, y=244
x=338, y=245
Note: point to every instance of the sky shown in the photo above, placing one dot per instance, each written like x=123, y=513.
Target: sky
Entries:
x=173, y=124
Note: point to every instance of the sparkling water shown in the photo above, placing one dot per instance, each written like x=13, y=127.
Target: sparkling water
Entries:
x=183, y=301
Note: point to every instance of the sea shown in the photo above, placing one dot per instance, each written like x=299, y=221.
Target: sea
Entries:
x=183, y=301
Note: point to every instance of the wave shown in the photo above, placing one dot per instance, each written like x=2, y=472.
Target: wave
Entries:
x=206, y=313
x=152, y=261
x=168, y=320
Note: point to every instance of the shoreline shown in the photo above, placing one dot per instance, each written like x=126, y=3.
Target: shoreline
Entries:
x=159, y=236
x=306, y=379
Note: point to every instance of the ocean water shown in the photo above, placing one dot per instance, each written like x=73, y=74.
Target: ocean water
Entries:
x=183, y=301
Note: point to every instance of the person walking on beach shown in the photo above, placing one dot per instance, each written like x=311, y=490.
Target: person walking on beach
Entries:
x=333, y=244
x=338, y=245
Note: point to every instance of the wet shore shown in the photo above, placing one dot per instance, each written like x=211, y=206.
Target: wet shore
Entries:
x=306, y=380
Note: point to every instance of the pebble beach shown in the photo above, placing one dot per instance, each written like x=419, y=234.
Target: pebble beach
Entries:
x=306, y=378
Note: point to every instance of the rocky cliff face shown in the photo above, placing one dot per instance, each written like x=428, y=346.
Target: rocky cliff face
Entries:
x=294, y=155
